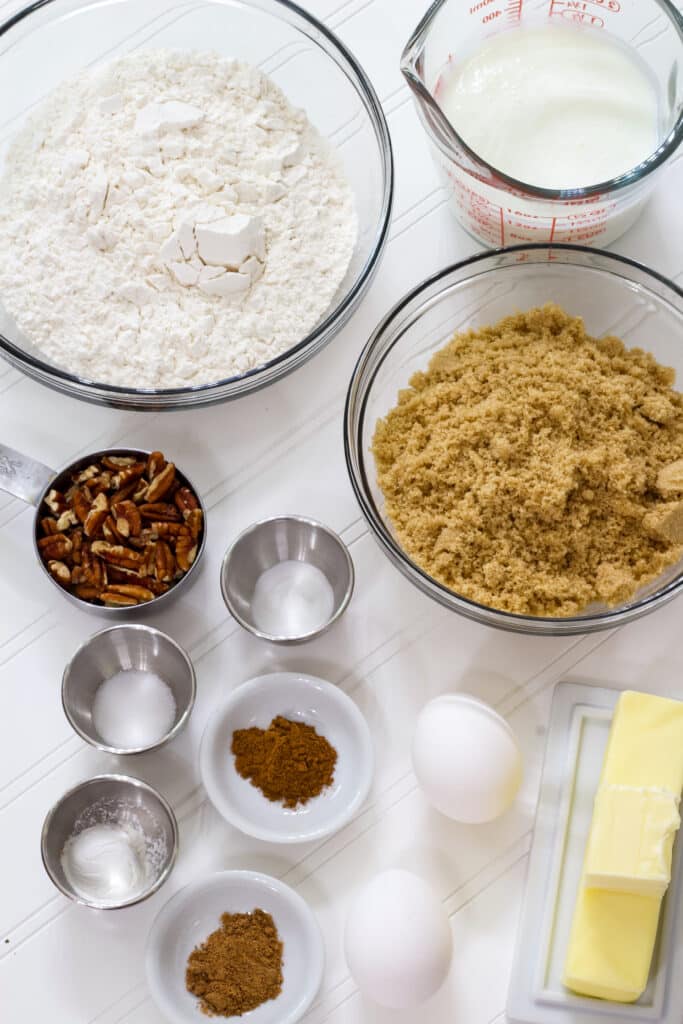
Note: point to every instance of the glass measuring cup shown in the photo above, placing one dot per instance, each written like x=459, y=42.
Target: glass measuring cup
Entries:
x=496, y=208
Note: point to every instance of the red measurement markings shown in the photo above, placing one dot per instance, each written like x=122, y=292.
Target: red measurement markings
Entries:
x=579, y=11
x=613, y=6
x=488, y=15
x=513, y=10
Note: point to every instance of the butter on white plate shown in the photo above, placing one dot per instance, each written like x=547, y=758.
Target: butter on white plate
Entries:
x=615, y=925
x=579, y=735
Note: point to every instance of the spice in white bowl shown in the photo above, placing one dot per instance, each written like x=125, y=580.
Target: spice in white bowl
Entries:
x=133, y=709
x=291, y=599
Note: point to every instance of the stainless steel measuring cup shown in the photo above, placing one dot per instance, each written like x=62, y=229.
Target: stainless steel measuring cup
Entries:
x=497, y=209
x=31, y=481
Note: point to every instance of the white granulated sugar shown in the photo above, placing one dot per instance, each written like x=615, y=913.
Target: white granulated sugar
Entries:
x=171, y=219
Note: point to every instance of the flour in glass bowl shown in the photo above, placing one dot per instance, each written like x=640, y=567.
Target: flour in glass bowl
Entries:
x=170, y=219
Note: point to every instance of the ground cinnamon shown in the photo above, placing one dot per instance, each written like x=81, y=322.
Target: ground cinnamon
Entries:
x=288, y=761
x=238, y=967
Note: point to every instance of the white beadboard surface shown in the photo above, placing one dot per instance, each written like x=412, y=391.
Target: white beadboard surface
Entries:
x=280, y=450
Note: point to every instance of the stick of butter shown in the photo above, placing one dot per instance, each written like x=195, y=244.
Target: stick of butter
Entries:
x=631, y=840
x=615, y=923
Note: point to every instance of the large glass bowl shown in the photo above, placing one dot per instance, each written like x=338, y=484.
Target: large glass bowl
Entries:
x=614, y=295
x=52, y=40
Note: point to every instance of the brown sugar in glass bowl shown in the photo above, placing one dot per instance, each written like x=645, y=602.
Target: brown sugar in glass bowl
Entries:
x=616, y=296
x=536, y=469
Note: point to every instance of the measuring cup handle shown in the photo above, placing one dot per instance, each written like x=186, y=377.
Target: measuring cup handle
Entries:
x=23, y=477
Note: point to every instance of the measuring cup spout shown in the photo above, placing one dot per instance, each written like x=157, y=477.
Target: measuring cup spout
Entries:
x=22, y=476
x=412, y=68
x=423, y=80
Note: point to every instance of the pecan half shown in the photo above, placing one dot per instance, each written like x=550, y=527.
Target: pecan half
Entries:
x=194, y=522
x=81, y=502
x=117, y=462
x=135, y=590
x=160, y=511
x=91, y=569
x=164, y=562
x=156, y=586
x=148, y=559
x=127, y=518
x=99, y=511
x=55, y=546
x=55, y=501
x=66, y=520
x=185, y=501
x=155, y=463
x=117, y=554
x=87, y=474
x=131, y=490
x=98, y=574
x=168, y=529
x=185, y=551
x=127, y=476
x=161, y=483
x=60, y=572
x=114, y=600
x=110, y=531
x=76, y=537
x=100, y=483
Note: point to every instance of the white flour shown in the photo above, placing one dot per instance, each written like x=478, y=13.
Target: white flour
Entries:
x=171, y=219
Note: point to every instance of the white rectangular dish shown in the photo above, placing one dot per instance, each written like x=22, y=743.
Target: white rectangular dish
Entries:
x=579, y=727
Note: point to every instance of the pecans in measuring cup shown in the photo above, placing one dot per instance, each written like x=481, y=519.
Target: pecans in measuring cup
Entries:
x=121, y=531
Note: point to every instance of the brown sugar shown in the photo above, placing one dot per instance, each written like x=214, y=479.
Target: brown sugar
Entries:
x=535, y=469
x=289, y=761
x=238, y=967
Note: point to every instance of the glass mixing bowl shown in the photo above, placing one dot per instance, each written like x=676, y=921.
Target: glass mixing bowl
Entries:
x=614, y=295
x=53, y=40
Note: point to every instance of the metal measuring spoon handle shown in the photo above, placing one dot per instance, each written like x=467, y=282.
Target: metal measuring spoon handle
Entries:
x=22, y=476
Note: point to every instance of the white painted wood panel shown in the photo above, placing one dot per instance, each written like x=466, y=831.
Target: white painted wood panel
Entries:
x=277, y=451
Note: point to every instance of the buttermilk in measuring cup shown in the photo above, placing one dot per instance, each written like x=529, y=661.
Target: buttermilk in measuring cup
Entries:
x=556, y=108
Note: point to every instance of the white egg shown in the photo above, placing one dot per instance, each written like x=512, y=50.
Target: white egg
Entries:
x=398, y=940
x=466, y=759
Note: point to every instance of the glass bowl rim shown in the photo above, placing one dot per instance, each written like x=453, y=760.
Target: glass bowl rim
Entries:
x=315, y=338
x=634, y=175
x=354, y=421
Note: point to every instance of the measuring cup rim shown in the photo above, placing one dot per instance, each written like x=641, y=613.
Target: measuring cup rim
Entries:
x=114, y=611
x=445, y=137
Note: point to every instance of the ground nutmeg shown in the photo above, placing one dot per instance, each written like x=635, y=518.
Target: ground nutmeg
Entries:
x=289, y=761
x=238, y=967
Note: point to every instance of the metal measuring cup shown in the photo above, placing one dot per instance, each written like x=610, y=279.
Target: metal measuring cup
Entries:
x=30, y=480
